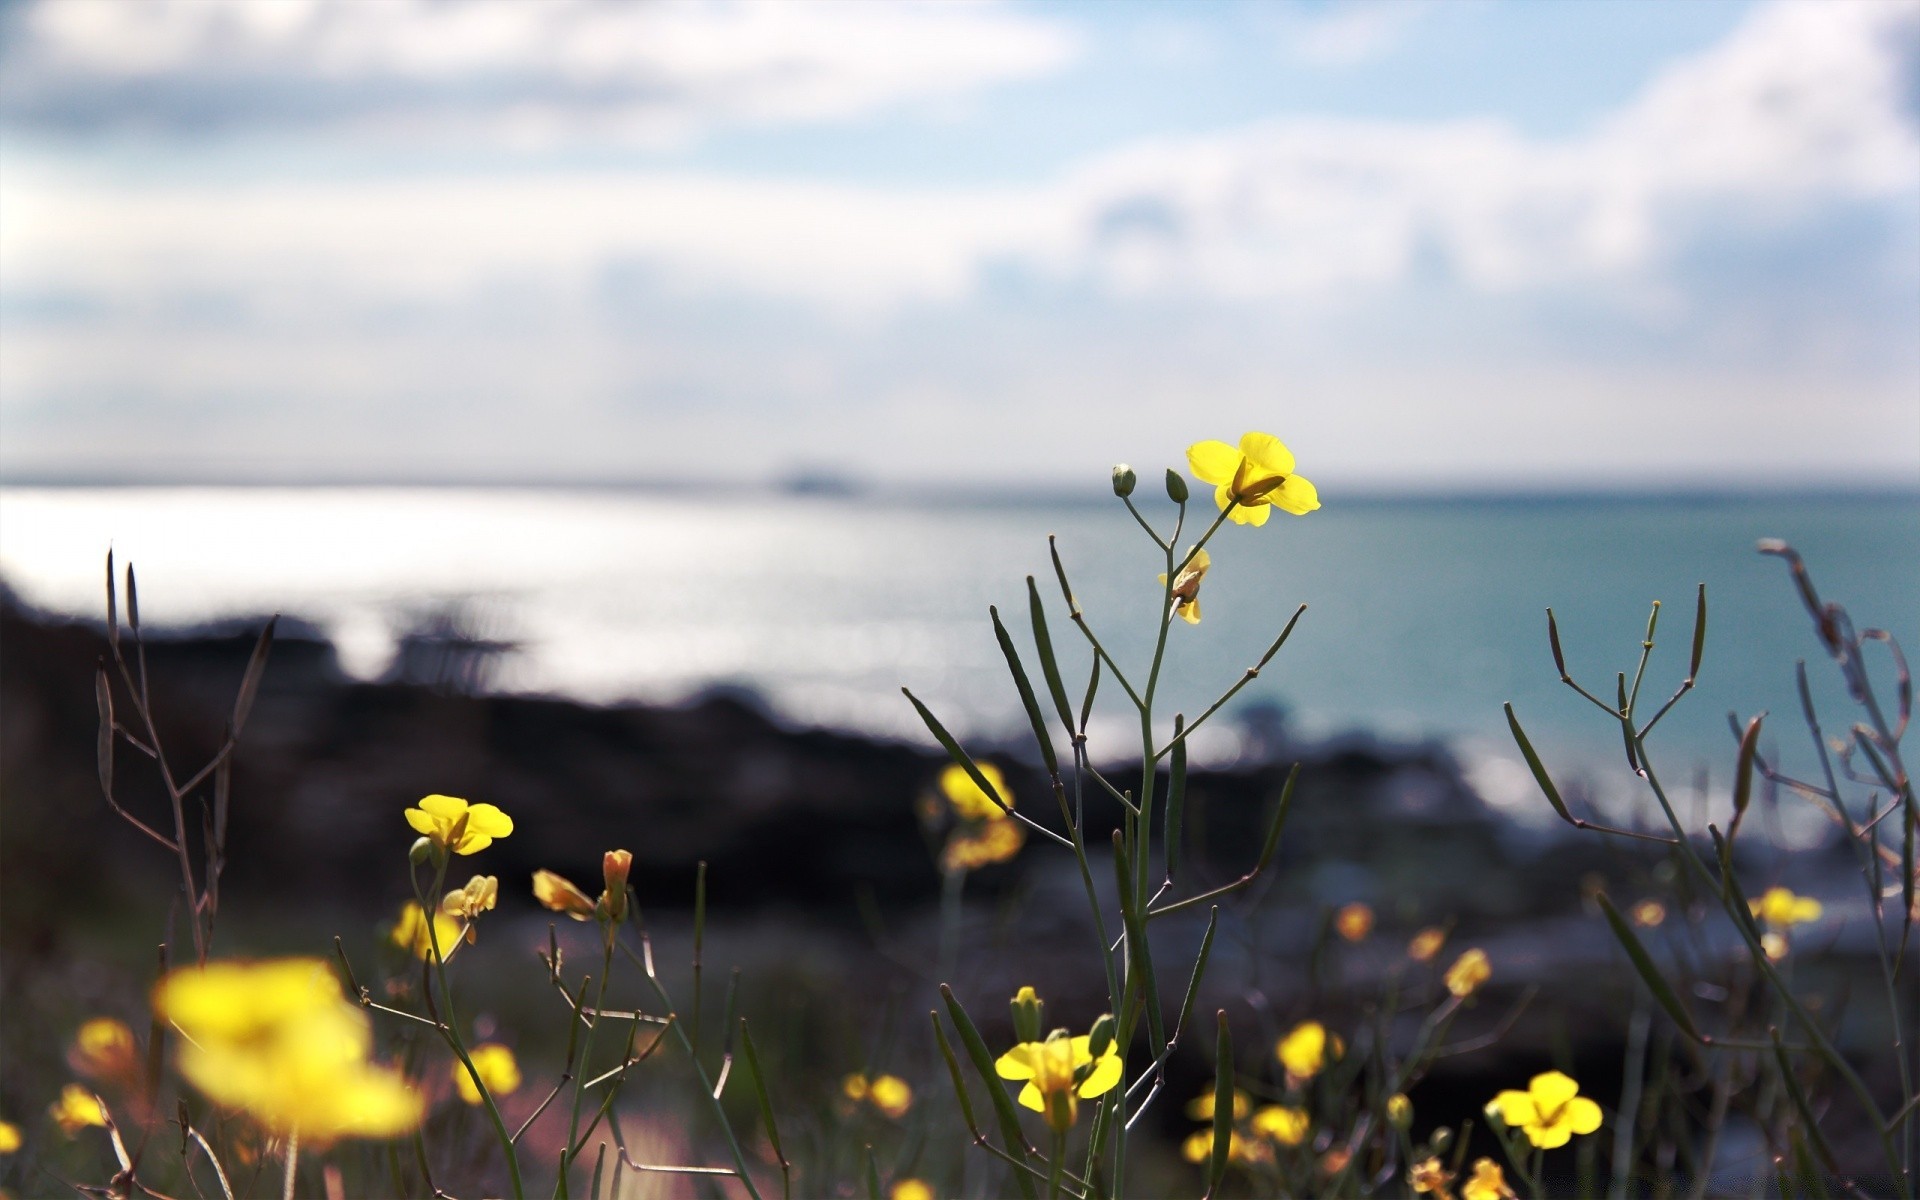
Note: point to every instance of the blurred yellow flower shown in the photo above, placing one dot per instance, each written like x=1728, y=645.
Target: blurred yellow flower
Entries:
x=1186, y=587
x=559, y=894
x=1354, y=922
x=1304, y=1051
x=1782, y=909
x=105, y=1049
x=453, y=824
x=888, y=1093
x=1549, y=1112
x=1058, y=1071
x=410, y=932
x=976, y=844
x=1468, y=972
x=911, y=1189
x=497, y=1068
x=280, y=1041
x=1488, y=1182
x=9, y=1137
x=965, y=795
x=1240, y=1151
x=1649, y=913
x=1426, y=944
x=76, y=1109
x=1400, y=1110
x=1200, y=1108
x=1288, y=1126
x=1429, y=1177
x=1258, y=475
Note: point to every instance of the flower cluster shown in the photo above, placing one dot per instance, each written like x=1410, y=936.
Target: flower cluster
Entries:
x=983, y=833
x=1255, y=1134
x=890, y=1095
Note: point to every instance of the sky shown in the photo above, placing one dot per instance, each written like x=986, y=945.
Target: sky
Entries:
x=1462, y=245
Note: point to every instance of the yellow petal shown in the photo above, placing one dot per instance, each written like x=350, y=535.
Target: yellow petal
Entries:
x=1189, y=611
x=1552, y=1090
x=1213, y=462
x=1030, y=1097
x=486, y=820
x=423, y=823
x=1017, y=1063
x=1248, y=514
x=1296, y=495
x=1805, y=908
x=1267, y=453
x=1515, y=1108
x=560, y=895
x=1583, y=1115
x=1106, y=1073
x=447, y=808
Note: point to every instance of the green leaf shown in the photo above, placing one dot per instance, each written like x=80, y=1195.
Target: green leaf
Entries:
x=1027, y=700
x=1533, y=764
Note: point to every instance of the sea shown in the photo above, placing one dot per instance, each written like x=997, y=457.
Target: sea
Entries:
x=1423, y=615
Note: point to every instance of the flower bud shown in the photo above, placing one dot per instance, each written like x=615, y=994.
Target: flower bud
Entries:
x=1026, y=1006
x=421, y=852
x=1400, y=1110
x=614, y=866
x=1441, y=1139
x=1176, y=487
x=1101, y=1036
x=1123, y=480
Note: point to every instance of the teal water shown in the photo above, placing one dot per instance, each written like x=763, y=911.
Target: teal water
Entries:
x=1423, y=616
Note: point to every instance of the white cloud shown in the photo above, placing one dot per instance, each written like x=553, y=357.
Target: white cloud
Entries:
x=537, y=72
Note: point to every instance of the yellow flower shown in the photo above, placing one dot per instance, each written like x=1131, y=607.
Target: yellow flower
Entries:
x=965, y=795
x=615, y=866
x=1468, y=972
x=1200, y=1108
x=1240, y=1151
x=410, y=932
x=891, y=1095
x=1186, y=587
x=1488, y=1182
x=9, y=1137
x=1649, y=913
x=480, y=895
x=76, y=1109
x=1428, y=1177
x=1256, y=478
x=1426, y=944
x=497, y=1068
x=1057, y=1071
x=1354, y=922
x=1549, y=1112
x=973, y=845
x=911, y=1189
x=453, y=824
x=1288, y=1126
x=278, y=1040
x=105, y=1049
x=560, y=895
x=1782, y=909
x=1304, y=1051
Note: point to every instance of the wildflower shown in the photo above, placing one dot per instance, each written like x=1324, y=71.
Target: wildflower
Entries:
x=615, y=867
x=1428, y=1177
x=9, y=1137
x=450, y=823
x=1549, y=1112
x=1200, y=1108
x=1058, y=1071
x=974, y=845
x=104, y=1049
x=560, y=895
x=1198, y=1148
x=1468, y=972
x=1649, y=914
x=1488, y=1182
x=911, y=1189
x=888, y=1093
x=1304, y=1051
x=76, y=1109
x=412, y=932
x=467, y=903
x=1254, y=479
x=968, y=800
x=498, y=1070
x=1400, y=1110
x=1426, y=944
x=279, y=1040
x=1354, y=922
x=1782, y=909
x=1277, y=1122
x=1186, y=587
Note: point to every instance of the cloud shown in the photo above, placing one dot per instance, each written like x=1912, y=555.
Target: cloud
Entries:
x=1347, y=33
x=557, y=70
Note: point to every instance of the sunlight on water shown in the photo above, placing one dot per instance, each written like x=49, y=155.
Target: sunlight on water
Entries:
x=1422, y=617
